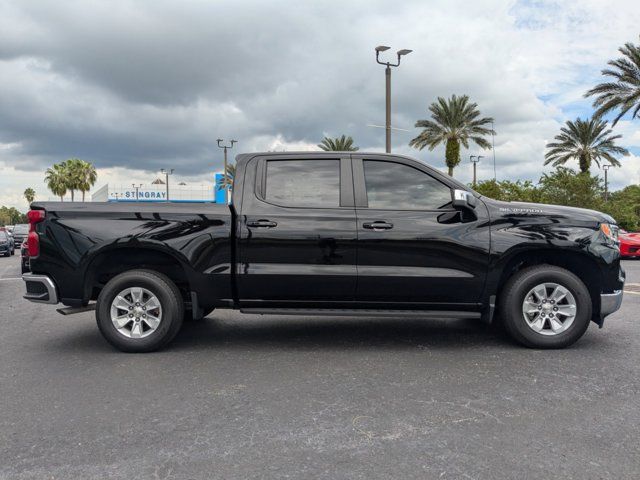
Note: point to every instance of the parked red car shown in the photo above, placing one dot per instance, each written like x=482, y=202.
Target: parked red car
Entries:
x=629, y=244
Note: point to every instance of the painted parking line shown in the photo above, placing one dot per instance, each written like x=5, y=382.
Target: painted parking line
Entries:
x=632, y=288
x=10, y=278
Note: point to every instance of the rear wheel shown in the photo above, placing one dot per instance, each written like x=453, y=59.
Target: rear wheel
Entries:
x=545, y=307
x=139, y=311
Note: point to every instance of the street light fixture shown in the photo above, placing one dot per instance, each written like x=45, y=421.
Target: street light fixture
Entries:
x=606, y=167
x=387, y=74
x=166, y=174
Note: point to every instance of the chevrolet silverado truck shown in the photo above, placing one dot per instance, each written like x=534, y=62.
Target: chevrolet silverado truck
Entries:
x=333, y=233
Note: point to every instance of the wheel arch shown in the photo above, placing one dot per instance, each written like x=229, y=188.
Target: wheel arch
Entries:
x=579, y=263
x=107, y=263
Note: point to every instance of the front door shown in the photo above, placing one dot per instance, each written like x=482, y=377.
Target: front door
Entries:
x=297, y=245
x=413, y=246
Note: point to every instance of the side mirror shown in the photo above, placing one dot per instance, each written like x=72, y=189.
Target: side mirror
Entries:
x=463, y=199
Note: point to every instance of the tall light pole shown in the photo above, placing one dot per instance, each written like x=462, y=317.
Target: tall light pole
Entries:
x=136, y=187
x=606, y=167
x=493, y=148
x=225, y=184
x=166, y=176
x=475, y=162
x=387, y=74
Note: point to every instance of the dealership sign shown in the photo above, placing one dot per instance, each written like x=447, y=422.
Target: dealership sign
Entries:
x=142, y=194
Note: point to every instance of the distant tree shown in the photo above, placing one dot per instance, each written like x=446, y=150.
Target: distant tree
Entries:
x=54, y=177
x=71, y=175
x=29, y=195
x=86, y=175
x=586, y=141
x=624, y=206
x=507, y=190
x=227, y=182
x=565, y=186
x=454, y=121
x=338, y=144
x=11, y=216
x=622, y=93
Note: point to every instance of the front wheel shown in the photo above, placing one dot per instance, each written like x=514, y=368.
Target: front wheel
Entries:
x=139, y=311
x=545, y=307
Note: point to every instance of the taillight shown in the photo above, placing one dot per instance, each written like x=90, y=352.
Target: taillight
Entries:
x=33, y=241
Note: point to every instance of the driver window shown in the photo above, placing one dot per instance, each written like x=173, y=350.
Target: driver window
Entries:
x=394, y=186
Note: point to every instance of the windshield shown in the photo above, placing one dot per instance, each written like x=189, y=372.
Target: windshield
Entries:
x=3, y=236
x=23, y=228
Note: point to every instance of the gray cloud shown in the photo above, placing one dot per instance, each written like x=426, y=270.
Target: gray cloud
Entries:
x=147, y=85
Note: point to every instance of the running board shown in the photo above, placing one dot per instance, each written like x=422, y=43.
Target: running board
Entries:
x=72, y=310
x=353, y=312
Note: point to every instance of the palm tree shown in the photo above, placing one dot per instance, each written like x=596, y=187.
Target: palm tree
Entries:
x=86, y=175
x=227, y=182
x=586, y=141
x=623, y=92
x=29, y=195
x=455, y=121
x=54, y=177
x=72, y=168
x=338, y=144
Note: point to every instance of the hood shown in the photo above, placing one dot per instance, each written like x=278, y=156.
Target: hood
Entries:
x=542, y=210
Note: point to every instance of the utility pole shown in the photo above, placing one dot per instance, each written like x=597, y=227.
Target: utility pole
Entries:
x=226, y=183
x=387, y=75
x=606, y=167
x=166, y=176
x=136, y=187
x=493, y=148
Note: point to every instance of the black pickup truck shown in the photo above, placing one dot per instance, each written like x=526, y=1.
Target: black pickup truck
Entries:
x=328, y=234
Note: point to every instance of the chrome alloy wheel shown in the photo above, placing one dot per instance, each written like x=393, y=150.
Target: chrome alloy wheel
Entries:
x=136, y=312
x=549, y=308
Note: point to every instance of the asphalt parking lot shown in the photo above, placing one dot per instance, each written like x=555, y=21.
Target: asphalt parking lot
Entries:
x=283, y=397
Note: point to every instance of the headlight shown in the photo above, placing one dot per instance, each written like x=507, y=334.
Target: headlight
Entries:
x=610, y=231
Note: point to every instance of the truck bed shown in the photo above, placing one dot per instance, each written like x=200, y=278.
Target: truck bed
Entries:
x=81, y=240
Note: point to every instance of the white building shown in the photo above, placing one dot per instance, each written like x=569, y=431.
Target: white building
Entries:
x=155, y=193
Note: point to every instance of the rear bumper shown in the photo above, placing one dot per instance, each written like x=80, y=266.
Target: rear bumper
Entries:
x=40, y=289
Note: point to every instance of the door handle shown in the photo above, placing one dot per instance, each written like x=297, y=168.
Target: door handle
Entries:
x=262, y=224
x=378, y=226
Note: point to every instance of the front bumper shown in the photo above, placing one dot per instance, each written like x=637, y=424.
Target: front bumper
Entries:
x=610, y=302
x=40, y=289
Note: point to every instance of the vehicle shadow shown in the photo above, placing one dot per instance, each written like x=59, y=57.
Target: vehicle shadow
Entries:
x=336, y=333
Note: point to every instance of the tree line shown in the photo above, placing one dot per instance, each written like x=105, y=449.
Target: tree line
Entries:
x=71, y=175
x=566, y=186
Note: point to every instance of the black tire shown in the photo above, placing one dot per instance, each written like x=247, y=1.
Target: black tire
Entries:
x=513, y=295
x=167, y=294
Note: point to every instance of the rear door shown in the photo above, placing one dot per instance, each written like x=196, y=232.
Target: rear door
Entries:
x=297, y=242
x=413, y=246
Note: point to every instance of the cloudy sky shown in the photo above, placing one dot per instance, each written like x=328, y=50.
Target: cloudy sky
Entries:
x=135, y=86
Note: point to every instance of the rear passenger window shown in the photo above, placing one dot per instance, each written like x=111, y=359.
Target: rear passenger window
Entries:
x=303, y=183
x=394, y=186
